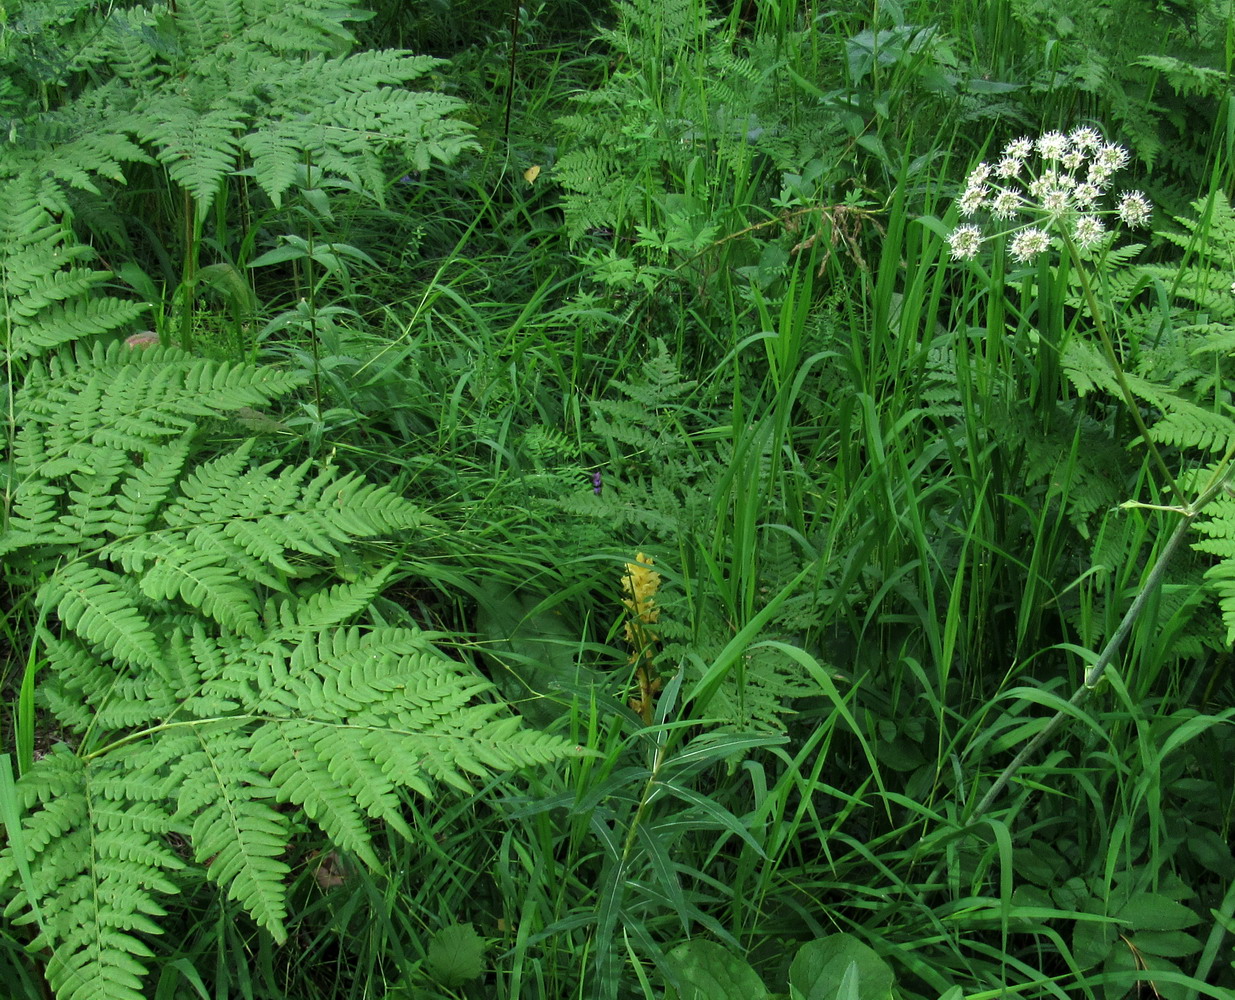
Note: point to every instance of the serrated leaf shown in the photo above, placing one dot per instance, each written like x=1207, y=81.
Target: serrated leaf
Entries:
x=1092, y=941
x=1167, y=944
x=709, y=971
x=1153, y=912
x=1212, y=851
x=456, y=954
x=840, y=965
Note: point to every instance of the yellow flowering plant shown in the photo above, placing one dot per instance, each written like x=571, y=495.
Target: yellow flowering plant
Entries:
x=640, y=583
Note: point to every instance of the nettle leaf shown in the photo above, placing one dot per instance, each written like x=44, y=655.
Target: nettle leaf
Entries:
x=1166, y=944
x=456, y=954
x=709, y=971
x=1149, y=911
x=1092, y=940
x=840, y=965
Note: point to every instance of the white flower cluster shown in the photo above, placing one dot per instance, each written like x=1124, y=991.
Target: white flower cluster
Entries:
x=1061, y=192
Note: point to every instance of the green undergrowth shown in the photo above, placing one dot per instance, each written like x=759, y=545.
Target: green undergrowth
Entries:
x=532, y=501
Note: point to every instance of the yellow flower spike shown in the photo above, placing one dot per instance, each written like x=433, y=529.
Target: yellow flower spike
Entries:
x=641, y=582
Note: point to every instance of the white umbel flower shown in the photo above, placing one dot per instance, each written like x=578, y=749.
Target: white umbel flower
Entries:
x=1088, y=232
x=1059, y=194
x=965, y=242
x=1028, y=244
x=1134, y=209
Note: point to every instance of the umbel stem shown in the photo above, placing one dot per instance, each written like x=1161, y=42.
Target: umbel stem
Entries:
x=1094, y=674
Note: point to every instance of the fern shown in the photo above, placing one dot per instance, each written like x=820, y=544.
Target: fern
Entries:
x=1157, y=74
x=212, y=682
x=101, y=859
x=1182, y=423
x=45, y=280
x=642, y=138
x=1169, y=352
x=1177, y=325
x=1218, y=525
x=211, y=88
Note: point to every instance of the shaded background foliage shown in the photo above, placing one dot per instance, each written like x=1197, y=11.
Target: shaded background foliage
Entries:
x=697, y=250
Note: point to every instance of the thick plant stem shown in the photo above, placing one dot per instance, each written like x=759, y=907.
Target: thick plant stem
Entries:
x=1094, y=674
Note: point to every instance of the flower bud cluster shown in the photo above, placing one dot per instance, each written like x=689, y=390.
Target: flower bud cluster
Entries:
x=1058, y=190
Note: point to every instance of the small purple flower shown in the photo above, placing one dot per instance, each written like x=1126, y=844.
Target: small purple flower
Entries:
x=596, y=482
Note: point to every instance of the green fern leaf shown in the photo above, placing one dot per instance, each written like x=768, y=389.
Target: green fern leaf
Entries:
x=1186, y=425
x=95, y=834
x=1218, y=525
x=199, y=148
x=201, y=581
x=309, y=25
x=89, y=600
x=289, y=755
x=331, y=605
x=148, y=487
x=45, y=301
x=236, y=833
x=192, y=642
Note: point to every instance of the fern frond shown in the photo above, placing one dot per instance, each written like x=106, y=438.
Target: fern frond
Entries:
x=1182, y=424
x=89, y=600
x=131, y=400
x=277, y=153
x=1187, y=79
x=1217, y=523
x=201, y=581
x=330, y=605
x=148, y=487
x=93, y=830
x=44, y=289
x=305, y=26
x=124, y=44
x=205, y=25
x=65, y=146
x=198, y=148
x=190, y=636
x=1186, y=425
x=289, y=754
x=236, y=833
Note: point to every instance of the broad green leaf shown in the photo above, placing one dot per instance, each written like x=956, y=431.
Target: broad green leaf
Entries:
x=1212, y=851
x=709, y=971
x=1153, y=912
x=1092, y=941
x=824, y=966
x=535, y=652
x=456, y=954
x=1168, y=944
x=851, y=985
